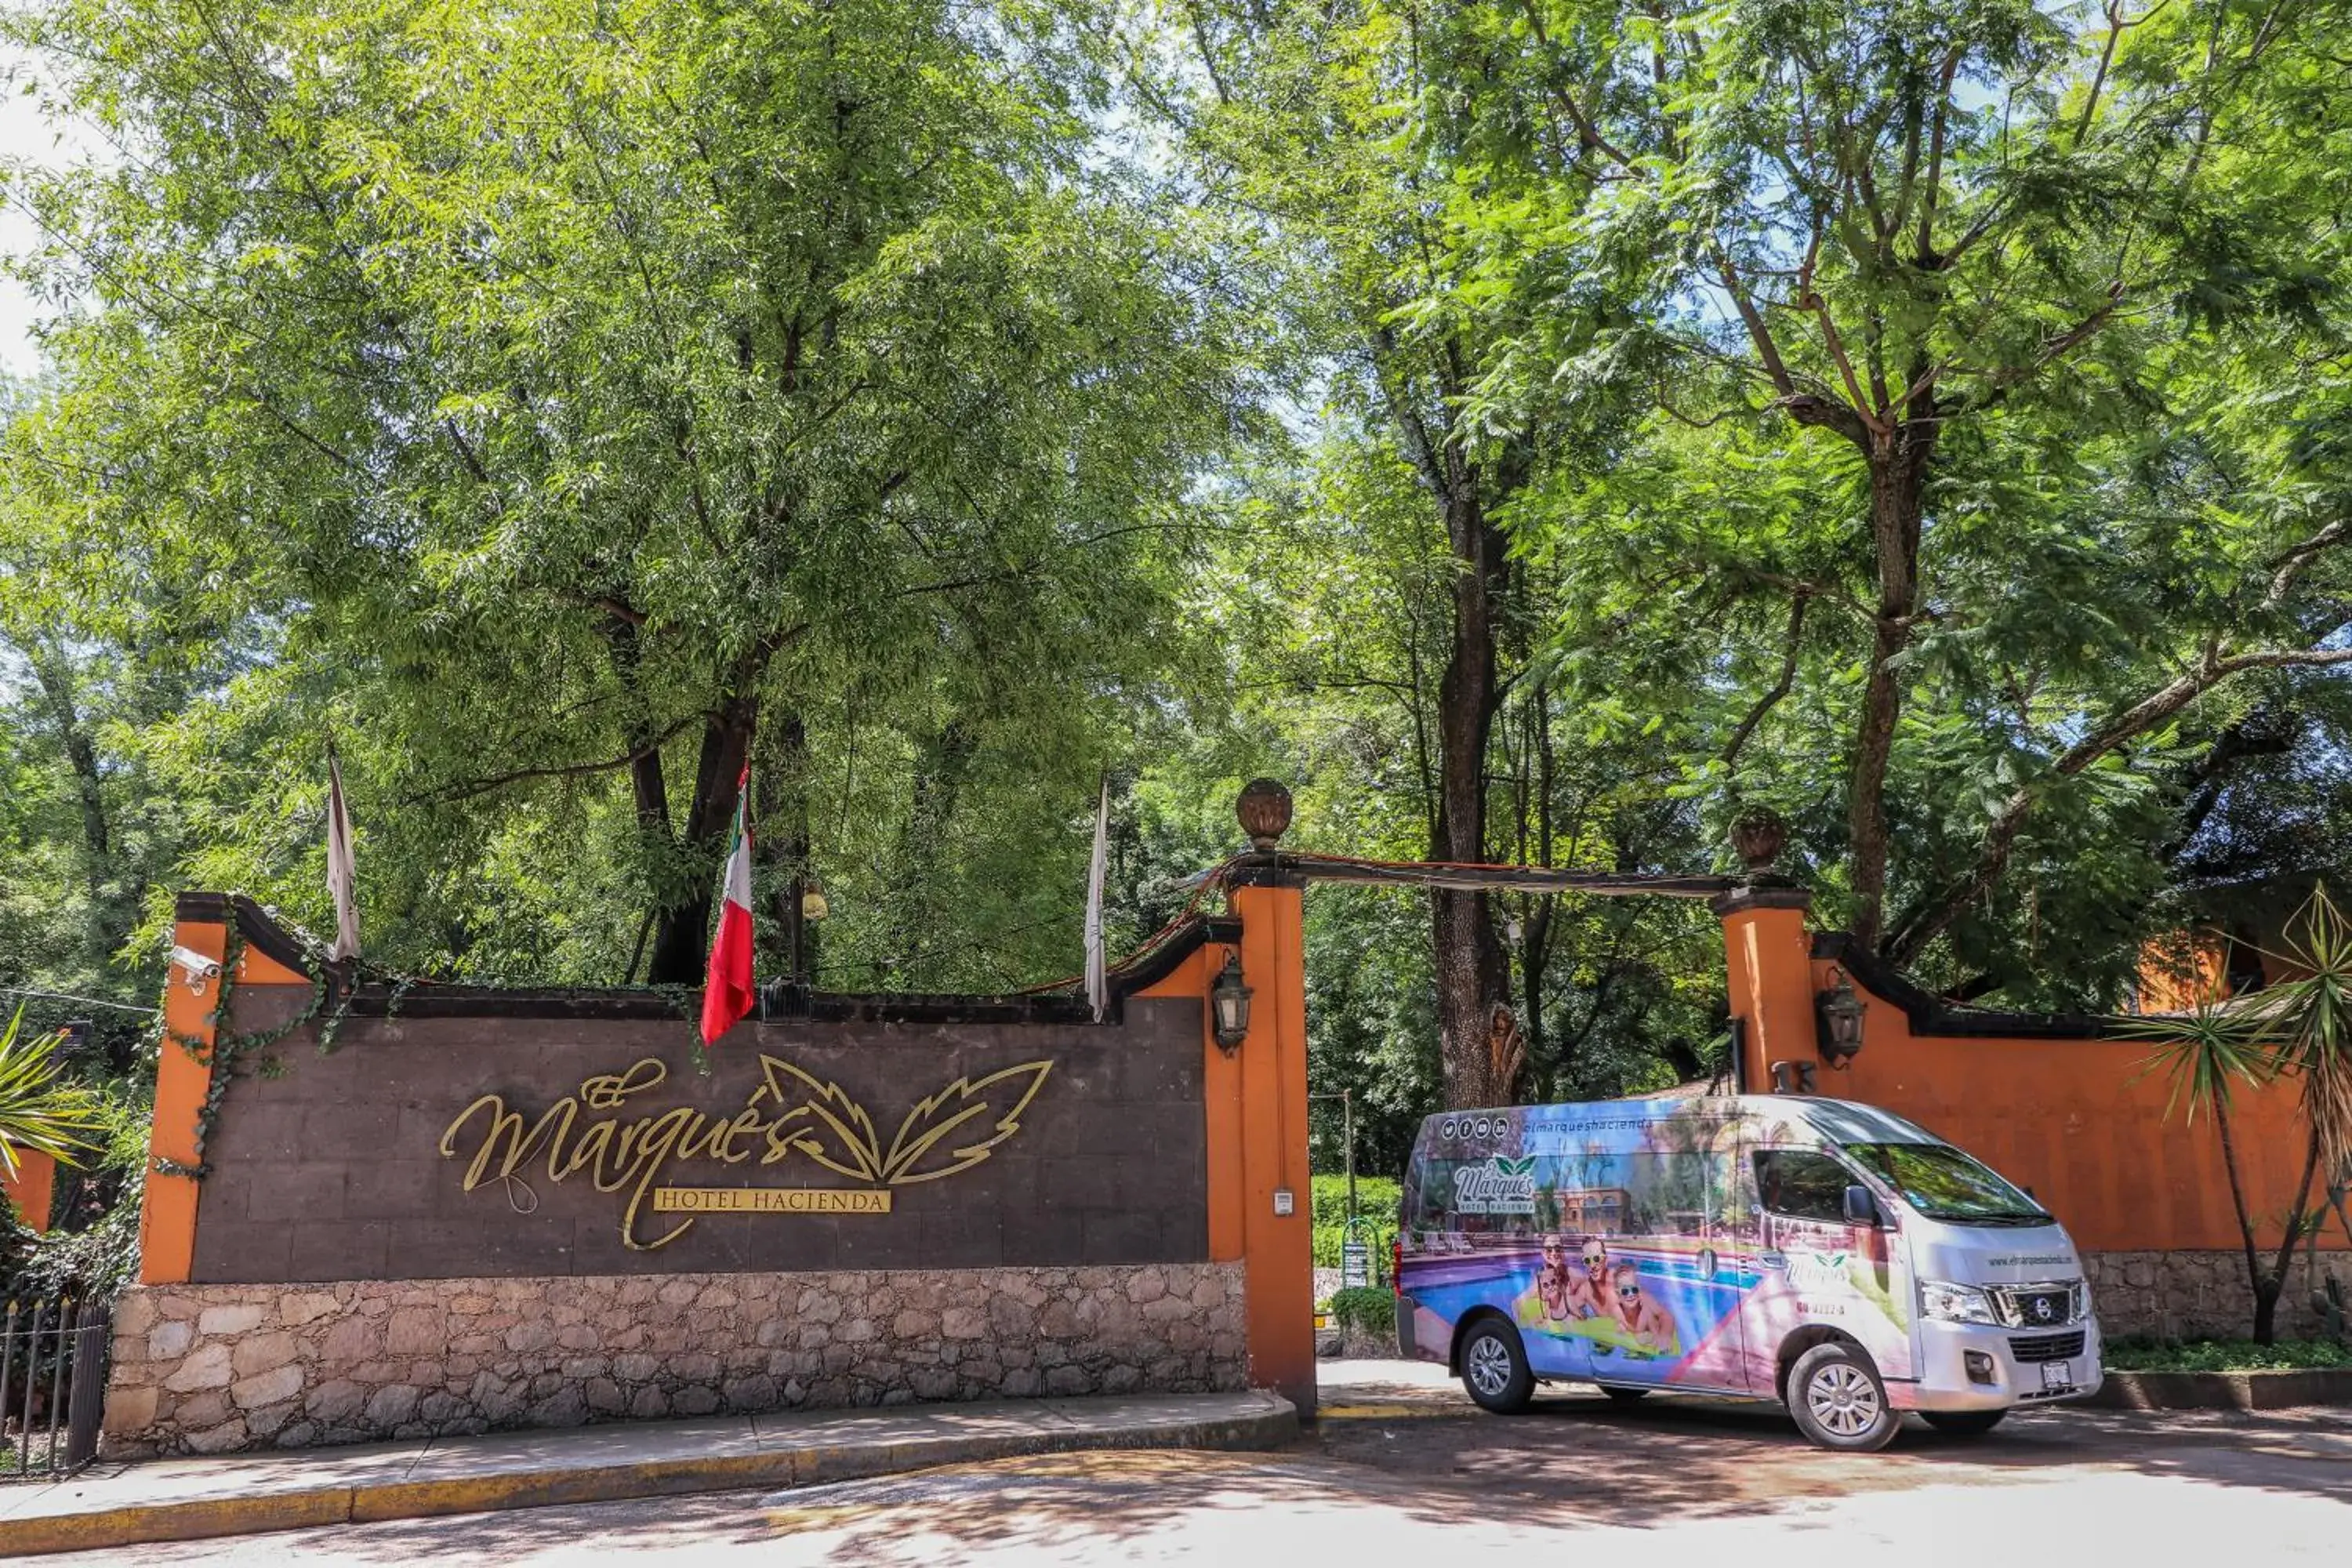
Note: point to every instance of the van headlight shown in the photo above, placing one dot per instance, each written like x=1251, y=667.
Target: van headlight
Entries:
x=1954, y=1303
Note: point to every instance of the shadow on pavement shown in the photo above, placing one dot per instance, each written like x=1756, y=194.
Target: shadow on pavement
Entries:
x=1628, y=1465
x=1575, y=1462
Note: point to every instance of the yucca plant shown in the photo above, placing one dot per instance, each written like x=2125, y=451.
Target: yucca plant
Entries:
x=2312, y=1025
x=2299, y=1029
x=39, y=1110
x=2208, y=1055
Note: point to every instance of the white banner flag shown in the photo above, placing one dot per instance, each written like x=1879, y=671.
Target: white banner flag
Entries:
x=339, y=864
x=1097, y=971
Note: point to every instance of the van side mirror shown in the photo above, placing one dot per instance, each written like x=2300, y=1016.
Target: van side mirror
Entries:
x=1860, y=1208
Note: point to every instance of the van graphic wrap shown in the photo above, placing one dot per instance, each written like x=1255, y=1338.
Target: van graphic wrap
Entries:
x=1627, y=1244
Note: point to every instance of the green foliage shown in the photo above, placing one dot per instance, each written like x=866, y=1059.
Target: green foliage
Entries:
x=1377, y=1200
x=2206, y=1055
x=1366, y=1311
x=2310, y=1017
x=808, y=391
x=98, y=1259
x=2224, y=1355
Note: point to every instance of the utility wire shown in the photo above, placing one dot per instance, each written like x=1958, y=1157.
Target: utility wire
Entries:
x=85, y=1001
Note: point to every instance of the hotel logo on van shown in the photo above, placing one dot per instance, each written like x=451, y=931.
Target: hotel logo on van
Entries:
x=1495, y=1186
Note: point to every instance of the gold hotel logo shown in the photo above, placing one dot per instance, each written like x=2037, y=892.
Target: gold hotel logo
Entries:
x=791, y=1113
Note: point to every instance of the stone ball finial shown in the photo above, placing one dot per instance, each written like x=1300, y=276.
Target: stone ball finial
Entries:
x=1265, y=812
x=1758, y=835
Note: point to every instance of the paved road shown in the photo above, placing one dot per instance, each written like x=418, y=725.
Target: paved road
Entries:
x=1402, y=1470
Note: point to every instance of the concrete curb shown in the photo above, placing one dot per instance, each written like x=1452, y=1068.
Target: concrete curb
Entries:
x=2281, y=1390
x=508, y=1470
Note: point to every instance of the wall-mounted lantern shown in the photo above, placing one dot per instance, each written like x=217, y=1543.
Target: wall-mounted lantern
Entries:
x=1840, y=1013
x=1229, y=1004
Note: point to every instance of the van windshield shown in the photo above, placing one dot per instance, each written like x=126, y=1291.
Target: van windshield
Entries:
x=1943, y=1183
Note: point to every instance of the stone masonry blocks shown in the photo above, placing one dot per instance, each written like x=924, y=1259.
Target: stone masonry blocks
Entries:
x=2195, y=1295
x=214, y=1368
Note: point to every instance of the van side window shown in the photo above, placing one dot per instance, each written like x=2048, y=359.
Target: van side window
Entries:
x=1801, y=1184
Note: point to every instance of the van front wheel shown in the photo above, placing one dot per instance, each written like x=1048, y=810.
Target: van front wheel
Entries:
x=1495, y=1368
x=1838, y=1402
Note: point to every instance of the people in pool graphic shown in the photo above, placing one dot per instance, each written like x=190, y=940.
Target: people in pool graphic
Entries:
x=1566, y=1294
x=1643, y=1318
x=1598, y=1300
x=1552, y=1280
x=1590, y=1289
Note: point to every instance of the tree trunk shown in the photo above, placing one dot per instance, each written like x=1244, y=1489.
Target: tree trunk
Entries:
x=1473, y=971
x=56, y=678
x=1899, y=467
x=781, y=841
x=1534, y=959
x=648, y=785
x=2266, y=1300
x=683, y=930
x=2245, y=1220
x=2266, y=1296
x=1536, y=914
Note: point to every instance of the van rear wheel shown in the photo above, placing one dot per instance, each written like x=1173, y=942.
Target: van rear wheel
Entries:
x=1495, y=1368
x=1963, y=1423
x=1838, y=1402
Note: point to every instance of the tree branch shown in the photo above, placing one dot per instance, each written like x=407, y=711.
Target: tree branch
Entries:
x=1771, y=698
x=1937, y=913
x=481, y=786
x=2288, y=564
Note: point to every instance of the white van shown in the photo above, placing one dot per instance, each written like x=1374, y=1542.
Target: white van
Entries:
x=1817, y=1252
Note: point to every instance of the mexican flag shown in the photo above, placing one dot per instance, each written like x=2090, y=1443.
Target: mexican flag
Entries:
x=727, y=990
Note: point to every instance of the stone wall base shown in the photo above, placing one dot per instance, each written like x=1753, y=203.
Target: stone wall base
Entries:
x=2199, y=1295
x=211, y=1369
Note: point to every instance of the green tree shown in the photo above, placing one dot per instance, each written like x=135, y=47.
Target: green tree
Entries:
x=1948, y=299
x=1340, y=136
x=616, y=395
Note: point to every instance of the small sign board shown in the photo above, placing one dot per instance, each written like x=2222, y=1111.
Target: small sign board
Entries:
x=1355, y=1265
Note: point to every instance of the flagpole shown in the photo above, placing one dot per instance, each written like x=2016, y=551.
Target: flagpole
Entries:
x=1097, y=971
x=342, y=877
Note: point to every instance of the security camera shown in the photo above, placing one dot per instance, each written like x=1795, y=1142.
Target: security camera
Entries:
x=199, y=968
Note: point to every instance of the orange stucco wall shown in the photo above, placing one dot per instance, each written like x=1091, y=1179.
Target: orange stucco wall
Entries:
x=2083, y=1123
x=1280, y=1248
x=31, y=1187
x=1256, y=1110
x=167, y=1217
x=2182, y=971
x=1766, y=951
x=1220, y=1075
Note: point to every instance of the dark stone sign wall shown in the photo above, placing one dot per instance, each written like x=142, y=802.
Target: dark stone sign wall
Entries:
x=443, y=1145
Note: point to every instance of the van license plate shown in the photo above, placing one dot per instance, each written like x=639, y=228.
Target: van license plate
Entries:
x=2056, y=1374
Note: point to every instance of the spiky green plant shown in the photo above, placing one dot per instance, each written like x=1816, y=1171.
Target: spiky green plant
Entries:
x=2310, y=1022
x=2299, y=1029
x=2206, y=1054
x=38, y=1110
